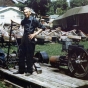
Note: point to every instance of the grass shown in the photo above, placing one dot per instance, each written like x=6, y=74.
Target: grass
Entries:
x=56, y=48
x=50, y=48
x=85, y=44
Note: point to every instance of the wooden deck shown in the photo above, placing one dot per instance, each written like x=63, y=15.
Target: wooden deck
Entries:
x=49, y=78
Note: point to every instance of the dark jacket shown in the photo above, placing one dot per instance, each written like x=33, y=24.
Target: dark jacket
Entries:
x=30, y=24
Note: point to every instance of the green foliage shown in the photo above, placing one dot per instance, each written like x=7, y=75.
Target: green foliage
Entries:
x=39, y=6
x=77, y=3
x=58, y=7
x=5, y=85
x=60, y=11
x=45, y=7
x=20, y=5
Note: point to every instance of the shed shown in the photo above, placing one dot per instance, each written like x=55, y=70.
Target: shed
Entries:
x=75, y=16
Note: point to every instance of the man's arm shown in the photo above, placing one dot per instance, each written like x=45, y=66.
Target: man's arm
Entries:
x=31, y=36
x=40, y=28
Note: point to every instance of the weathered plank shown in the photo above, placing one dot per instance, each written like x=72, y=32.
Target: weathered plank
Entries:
x=14, y=85
x=49, y=78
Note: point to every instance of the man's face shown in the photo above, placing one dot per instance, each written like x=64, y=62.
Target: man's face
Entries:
x=27, y=13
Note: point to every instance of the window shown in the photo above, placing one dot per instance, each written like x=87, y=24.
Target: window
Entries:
x=2, y=16
x=20, y=17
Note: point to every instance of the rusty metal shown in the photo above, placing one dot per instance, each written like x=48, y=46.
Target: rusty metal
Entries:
x=54, y=61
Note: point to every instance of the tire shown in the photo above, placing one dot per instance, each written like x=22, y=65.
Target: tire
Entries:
x=78, y=62
x=43, y=57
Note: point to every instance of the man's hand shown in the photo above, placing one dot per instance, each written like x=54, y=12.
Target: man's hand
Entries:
x=31, y=36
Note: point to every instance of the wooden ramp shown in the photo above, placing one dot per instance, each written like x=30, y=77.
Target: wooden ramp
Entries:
x=49, y=78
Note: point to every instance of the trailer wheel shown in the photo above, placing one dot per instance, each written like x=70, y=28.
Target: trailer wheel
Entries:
x=78, y=62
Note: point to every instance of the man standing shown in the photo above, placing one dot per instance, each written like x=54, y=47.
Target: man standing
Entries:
x=27, y=47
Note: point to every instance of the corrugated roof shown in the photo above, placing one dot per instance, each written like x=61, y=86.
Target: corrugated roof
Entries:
x=5, y=8
x=73, y=11
x=84, y=9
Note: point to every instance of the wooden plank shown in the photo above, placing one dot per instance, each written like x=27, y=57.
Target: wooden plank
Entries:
x=49, y=78
x=63, y=79
x=74, y=37
x=14, y=85
x=38, y=68
x=26, y=78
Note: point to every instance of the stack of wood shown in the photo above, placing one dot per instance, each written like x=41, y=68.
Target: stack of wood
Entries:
x=48, y=35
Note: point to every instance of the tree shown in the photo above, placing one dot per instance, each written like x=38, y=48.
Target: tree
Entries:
x=59, y=6
x=39, y=6
x=20, y=5
x=77, y=3
x=46, y=7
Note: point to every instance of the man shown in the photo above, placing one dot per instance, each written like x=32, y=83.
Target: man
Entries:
x=27, y=47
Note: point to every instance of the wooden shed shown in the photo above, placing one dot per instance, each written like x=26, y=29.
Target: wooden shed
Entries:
x=75, y=16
